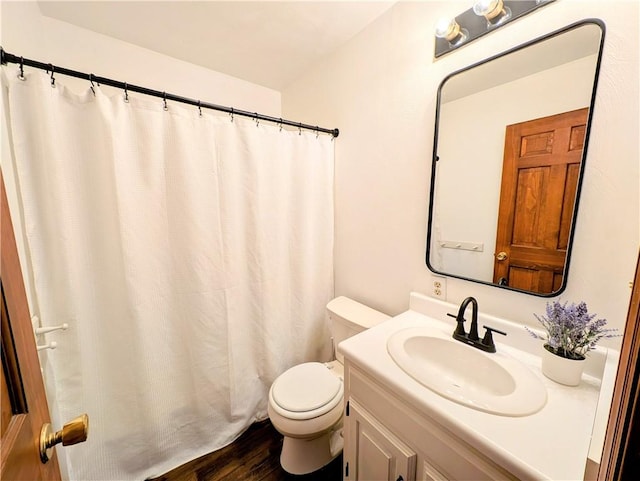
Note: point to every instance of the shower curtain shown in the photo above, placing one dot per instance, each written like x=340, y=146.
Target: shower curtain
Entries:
x=190, y=255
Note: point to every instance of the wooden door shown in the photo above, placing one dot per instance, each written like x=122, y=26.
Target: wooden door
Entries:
x=24, y=405
x=540, y=175
x=373, y=453
x=621, y=453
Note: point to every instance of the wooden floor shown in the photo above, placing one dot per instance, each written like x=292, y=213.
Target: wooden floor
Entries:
x=254, y=456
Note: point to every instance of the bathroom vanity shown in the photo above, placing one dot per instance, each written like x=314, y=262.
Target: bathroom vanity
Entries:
x=396, y=428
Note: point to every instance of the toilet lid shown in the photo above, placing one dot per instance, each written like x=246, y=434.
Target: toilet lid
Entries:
x=305, y=387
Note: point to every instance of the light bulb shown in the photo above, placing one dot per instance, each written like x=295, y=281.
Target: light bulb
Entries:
x=488, y=8
x=450, y=30
x=493, y=10
x=447, y=28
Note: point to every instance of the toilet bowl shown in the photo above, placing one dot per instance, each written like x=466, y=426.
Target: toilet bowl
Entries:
x=305, y=406
x=306, y=402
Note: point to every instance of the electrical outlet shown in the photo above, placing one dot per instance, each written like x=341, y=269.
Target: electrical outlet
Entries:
x=439, y=287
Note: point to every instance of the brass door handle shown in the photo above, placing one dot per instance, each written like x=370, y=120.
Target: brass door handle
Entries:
x=74, y=432
x=501, y=256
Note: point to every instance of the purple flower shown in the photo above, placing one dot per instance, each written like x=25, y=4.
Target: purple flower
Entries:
x=570, y=330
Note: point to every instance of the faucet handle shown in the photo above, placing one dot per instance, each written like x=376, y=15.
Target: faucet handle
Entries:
x=487, y=340
x=497, y=331
x=460, y=326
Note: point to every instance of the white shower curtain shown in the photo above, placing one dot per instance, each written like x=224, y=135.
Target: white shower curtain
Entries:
x=190, y=255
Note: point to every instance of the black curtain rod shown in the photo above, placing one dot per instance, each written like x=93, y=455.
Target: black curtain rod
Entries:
x=6, y=57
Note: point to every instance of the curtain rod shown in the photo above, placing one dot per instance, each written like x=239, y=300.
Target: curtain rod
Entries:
x=6, y=57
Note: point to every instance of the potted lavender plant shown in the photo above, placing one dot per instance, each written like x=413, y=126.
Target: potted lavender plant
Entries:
x=571, y=332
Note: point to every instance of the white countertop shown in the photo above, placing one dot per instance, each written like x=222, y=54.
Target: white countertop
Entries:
x=550, y=444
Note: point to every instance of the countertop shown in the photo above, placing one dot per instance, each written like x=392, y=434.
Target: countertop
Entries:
x=550, y=444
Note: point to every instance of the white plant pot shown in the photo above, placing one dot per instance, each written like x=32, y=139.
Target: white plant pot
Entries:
x=562, y=370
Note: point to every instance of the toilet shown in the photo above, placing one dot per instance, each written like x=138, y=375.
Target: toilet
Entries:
x=306, y=402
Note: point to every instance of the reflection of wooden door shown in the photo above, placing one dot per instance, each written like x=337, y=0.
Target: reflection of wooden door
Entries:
x=539, y=181
x=24, y=406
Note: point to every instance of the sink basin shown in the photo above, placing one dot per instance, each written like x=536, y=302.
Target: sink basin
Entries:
x=493, y=383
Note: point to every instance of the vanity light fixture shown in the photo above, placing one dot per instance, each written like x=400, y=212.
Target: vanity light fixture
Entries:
x=484, y=17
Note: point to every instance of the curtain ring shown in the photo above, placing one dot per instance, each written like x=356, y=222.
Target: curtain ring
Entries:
x=200, y=108
x=92, y=86
x=280, y=124
x=53, y=80
x=317, y=132
x=300, y=128
x=231, y=114
x=164, y=99
x=126, y=93
x=21, y=75
x=257, y=119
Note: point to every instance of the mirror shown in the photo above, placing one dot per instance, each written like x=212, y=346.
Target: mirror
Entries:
x=509, y=151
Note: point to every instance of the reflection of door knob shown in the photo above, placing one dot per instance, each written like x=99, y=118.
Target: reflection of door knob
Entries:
x=501, y=256
x=74, y=432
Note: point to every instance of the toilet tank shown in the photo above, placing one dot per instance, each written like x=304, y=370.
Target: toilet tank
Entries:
x=348, y=317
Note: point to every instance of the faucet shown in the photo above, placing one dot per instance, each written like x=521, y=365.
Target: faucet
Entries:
x=459, y=332
x=486, y=343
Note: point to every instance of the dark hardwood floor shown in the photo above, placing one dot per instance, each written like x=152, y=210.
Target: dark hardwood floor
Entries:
x=254, y=456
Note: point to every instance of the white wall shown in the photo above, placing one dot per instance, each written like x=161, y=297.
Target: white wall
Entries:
x=28, y=33
x=380, y=90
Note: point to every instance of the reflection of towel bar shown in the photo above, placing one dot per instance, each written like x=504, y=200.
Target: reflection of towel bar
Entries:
x=467, y=246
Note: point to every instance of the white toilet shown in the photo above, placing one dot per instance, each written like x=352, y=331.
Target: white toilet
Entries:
x=306, y=401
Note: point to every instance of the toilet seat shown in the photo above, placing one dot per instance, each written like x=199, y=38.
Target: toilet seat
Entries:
x=306, y=391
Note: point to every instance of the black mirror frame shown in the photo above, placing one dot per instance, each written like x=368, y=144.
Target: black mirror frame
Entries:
x=588, y=21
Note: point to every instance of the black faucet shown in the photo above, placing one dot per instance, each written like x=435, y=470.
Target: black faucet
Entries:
x=472, y=338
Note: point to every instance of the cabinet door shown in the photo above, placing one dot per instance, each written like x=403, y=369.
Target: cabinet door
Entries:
x=431, y=473
x=372, y=452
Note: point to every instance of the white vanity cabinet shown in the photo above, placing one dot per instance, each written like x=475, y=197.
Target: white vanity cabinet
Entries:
x=396, y=426
x=376, y=454
x=387, y=439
